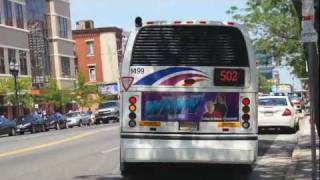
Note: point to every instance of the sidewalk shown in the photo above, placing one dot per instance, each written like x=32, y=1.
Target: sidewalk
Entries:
x=301, y=157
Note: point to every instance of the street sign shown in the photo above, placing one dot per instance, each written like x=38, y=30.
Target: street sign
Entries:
x=108, y=89
x=308, y=34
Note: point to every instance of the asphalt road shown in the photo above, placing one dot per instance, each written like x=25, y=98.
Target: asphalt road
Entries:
x=93, y=153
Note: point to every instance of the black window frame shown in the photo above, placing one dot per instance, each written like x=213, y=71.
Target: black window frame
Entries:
x=2, y=62
x=65, y=67
x=8, y=15
x=23, y=62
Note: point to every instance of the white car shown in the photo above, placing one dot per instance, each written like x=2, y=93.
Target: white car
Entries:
x=277, y=111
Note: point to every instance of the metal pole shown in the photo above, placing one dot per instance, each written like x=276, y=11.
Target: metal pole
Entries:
x=16, y=95
x=313, y=71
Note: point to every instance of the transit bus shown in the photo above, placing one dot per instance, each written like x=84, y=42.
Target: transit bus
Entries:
x=188, y=95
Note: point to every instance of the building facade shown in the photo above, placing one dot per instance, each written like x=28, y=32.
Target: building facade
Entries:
x=14, y=47
x=61, y=45
x=98, y=52
x=14, y=37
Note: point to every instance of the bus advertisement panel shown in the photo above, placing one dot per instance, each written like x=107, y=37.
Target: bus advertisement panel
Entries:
x=190, y=106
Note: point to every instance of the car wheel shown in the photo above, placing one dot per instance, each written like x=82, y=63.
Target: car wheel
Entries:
x=80, y=124
x=66, y=125
x=43, y=128
x=57, y=126
x=12, y=132
x=32, y=129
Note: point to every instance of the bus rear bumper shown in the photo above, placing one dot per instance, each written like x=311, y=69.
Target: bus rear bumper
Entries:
x=208, y=149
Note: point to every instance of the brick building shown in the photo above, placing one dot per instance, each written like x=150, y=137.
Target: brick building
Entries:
x=98, y=52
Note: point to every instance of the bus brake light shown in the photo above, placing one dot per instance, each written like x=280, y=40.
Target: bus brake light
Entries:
x=246, y=101
x=132, y=100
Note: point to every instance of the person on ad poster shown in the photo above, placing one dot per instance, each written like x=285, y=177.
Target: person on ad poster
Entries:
x=220, y=104
x=210, y=114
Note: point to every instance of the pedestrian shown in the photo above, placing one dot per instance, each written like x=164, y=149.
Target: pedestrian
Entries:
x=89, y=111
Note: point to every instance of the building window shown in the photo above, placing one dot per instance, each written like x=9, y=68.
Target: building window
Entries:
x=2, y=65
x=90, y=48
x=12, y=55
x=62, y=27
x=65, y=67
x=19, y=15
x=23, y=63
x=92, y=73
x=7, y=5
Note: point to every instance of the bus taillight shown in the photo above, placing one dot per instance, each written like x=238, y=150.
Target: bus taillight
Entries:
x=132, y=100
x=245, y=109
x=132, y=109
x=246, y=101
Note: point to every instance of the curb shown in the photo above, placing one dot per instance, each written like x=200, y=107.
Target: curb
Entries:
x=291, y=172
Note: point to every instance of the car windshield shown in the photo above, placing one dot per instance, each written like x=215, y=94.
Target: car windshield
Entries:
x=294, y=97
x=107, y=105
x=74, y=114
x=28, y=118
x=272, y=102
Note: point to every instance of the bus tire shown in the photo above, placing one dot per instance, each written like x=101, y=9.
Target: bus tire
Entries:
x=246, y=168
x=125, y=170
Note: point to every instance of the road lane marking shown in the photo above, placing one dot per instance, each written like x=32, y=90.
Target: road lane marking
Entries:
x=110, y=150
x=41, y=146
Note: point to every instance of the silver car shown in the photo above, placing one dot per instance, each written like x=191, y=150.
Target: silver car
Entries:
x=107, y=111
x=78, y=118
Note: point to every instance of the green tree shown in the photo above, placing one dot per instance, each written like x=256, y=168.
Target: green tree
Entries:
x=264, y=84
x=275, y=29
x=24, y=87
x=58, y=97
x=82, y=93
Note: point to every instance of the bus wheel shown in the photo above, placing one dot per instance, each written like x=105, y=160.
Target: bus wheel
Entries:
x=125, y=170
x=246, y=168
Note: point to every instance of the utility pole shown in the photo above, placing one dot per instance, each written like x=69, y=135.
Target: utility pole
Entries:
x=308, y=12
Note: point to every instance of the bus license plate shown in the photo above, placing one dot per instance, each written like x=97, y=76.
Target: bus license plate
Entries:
x=228, y=124
x=188, y=126
x=268, y=114
x=150, y=123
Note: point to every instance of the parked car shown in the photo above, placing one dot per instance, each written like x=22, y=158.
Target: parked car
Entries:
x=7, y=127
x=307, y=108
x=107, y=111
x=57, y=121
x=78, y=118
x=298, y=103
x=277, y=111
x=32, y=123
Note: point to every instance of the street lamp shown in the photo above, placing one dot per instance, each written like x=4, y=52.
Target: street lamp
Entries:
x=14, y=70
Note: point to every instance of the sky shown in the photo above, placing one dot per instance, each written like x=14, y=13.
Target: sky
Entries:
x=121, y=13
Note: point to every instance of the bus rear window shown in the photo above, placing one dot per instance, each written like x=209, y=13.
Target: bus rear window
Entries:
x=272, y=102
x=189, y=46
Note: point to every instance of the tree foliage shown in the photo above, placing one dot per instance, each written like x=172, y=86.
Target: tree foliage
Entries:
x=264, y=84
x=53, y=95
x=275, y=29
x=24, y=87
x=82, y=93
